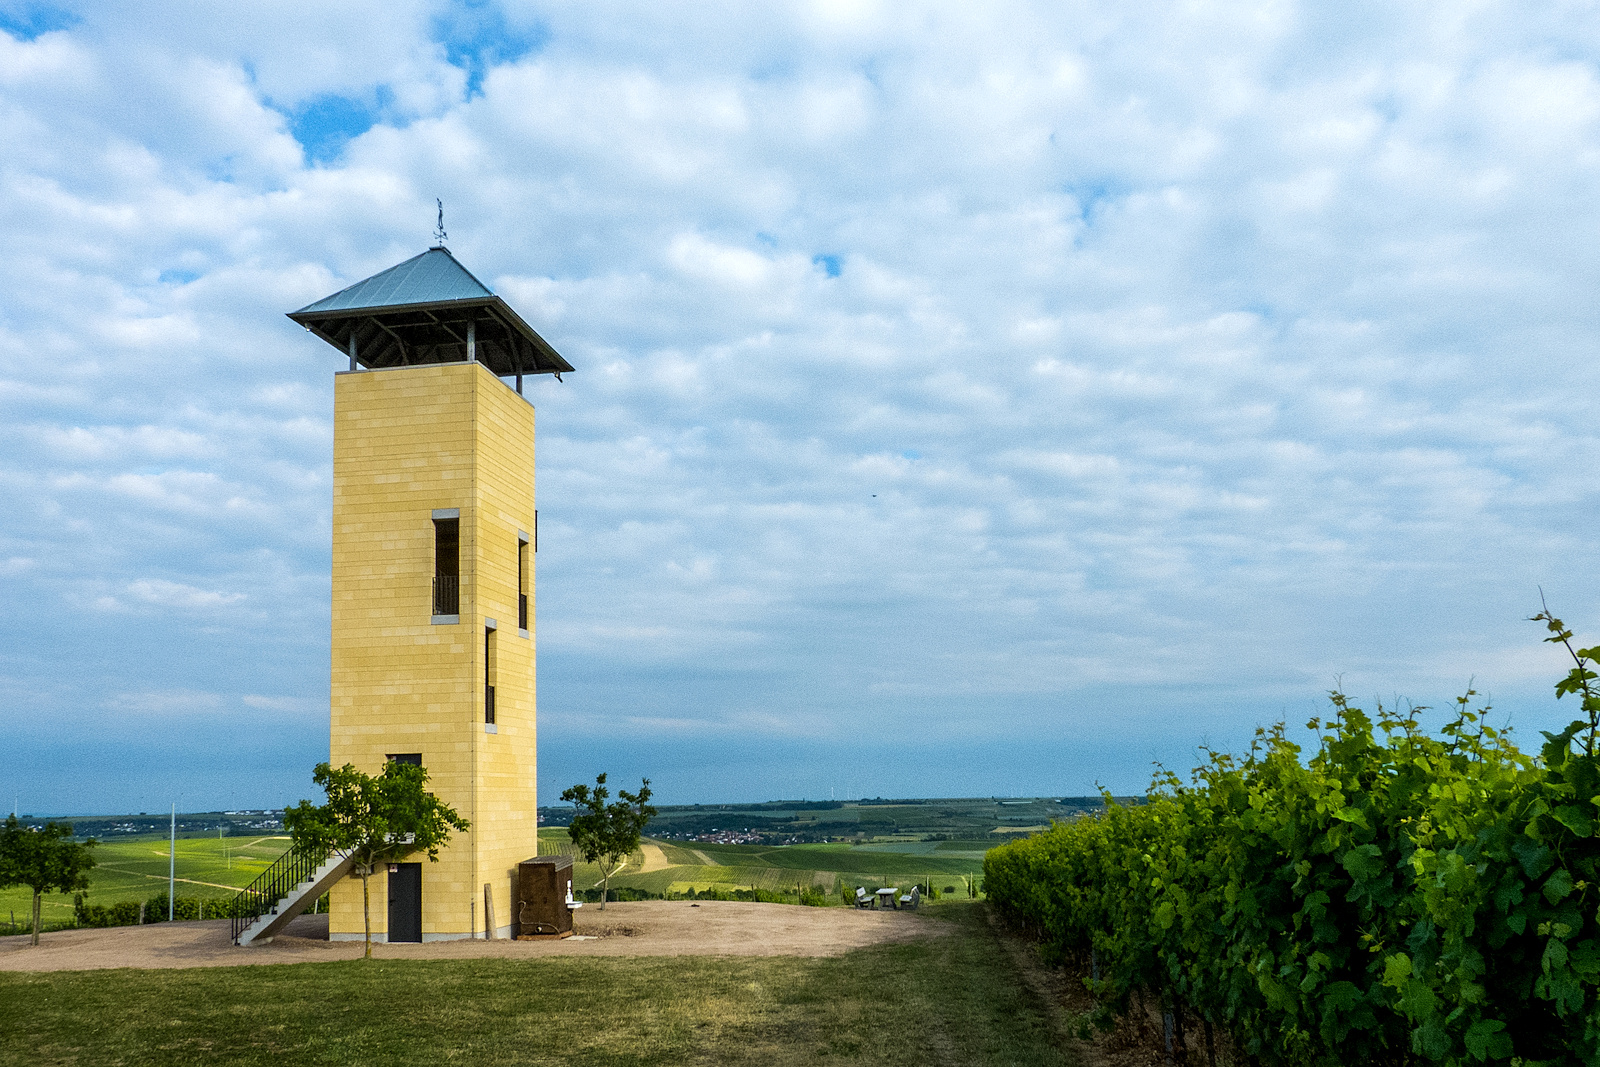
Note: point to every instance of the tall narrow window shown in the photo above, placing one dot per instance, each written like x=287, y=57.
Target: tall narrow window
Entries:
x=488, y=676
x=522, y=581
x=447, y=562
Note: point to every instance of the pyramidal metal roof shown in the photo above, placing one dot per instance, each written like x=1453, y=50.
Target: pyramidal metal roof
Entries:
x=429, y=309
x=433, y=276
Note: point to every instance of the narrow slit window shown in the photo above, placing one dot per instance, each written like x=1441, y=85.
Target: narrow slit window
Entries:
x=447, y=566
x=488, y=677
x=413, y=758
x=522, y=582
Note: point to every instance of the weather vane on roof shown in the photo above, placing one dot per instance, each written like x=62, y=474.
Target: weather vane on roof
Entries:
x=438, y=233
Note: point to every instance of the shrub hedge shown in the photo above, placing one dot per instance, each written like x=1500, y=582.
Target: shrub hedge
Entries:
x=1398, y=897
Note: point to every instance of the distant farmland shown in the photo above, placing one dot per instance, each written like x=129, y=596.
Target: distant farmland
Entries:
x=135, y=868
x=662, y=867
x=783, y=845
x=832, y=845
x=815, y=821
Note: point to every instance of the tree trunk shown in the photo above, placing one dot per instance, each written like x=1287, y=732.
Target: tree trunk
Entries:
x=37, y=897
x=605, y=887
x=366, y=910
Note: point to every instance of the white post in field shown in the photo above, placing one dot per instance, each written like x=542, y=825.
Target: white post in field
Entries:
x=172, y=863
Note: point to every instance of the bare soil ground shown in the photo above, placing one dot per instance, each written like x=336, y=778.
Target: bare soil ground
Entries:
x=641, y=928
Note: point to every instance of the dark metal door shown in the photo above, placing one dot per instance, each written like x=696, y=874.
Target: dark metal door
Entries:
x=405, y=902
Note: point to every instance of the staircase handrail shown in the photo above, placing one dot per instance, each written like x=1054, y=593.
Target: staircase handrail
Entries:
x=273, y=884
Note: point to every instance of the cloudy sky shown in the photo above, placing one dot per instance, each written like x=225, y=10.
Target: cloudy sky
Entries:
x=971, y=399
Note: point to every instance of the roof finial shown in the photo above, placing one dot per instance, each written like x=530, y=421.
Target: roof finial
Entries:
x=438, y=233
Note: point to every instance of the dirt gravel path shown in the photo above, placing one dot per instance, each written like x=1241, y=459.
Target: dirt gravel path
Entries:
x=642, y=928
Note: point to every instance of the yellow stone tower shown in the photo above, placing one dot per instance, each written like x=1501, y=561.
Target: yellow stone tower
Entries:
x=434, y=534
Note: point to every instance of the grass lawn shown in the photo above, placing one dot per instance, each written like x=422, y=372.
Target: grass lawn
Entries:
x=951, y=1000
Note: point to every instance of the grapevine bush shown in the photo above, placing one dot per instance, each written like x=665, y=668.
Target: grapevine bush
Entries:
x=1400, y=896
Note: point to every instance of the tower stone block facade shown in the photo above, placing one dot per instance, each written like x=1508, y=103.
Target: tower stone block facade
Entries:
x=415, y=450
x=434, y=534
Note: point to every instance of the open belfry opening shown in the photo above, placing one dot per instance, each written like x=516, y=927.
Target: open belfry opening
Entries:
x=433, y=580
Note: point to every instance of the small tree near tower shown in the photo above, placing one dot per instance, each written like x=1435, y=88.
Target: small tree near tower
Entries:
x=608, y=833
x=378, y=820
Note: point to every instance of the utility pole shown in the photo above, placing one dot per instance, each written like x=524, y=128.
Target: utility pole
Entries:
x=172, y=863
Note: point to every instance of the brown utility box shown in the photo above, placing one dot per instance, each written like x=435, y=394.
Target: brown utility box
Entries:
x=544, y=885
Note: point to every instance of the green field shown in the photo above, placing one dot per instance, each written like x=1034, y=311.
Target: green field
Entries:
x=703, y=865
x=968, y=820
x=869, y=860
x=135, y=868
x=210, y=868
x=961, y=999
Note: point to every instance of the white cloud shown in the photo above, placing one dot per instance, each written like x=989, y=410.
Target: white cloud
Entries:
x=284, y=705
x=165, y=702
x=927, y=361
x=176, y=595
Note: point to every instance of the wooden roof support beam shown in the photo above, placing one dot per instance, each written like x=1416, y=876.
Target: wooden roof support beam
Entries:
x=398, y=340
x=445, y=326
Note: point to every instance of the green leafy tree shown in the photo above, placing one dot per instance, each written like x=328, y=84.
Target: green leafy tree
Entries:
x=45, y=859
x=376, y=820
x=608, y=832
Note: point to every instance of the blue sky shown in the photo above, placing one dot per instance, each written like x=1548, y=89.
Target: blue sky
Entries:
x=971, y=399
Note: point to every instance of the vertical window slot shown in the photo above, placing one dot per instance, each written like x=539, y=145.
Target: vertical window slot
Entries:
x=447, y=564
x=522, y=582
x=488, y=676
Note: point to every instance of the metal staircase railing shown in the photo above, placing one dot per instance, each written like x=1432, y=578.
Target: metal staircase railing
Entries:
x=273, y=884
